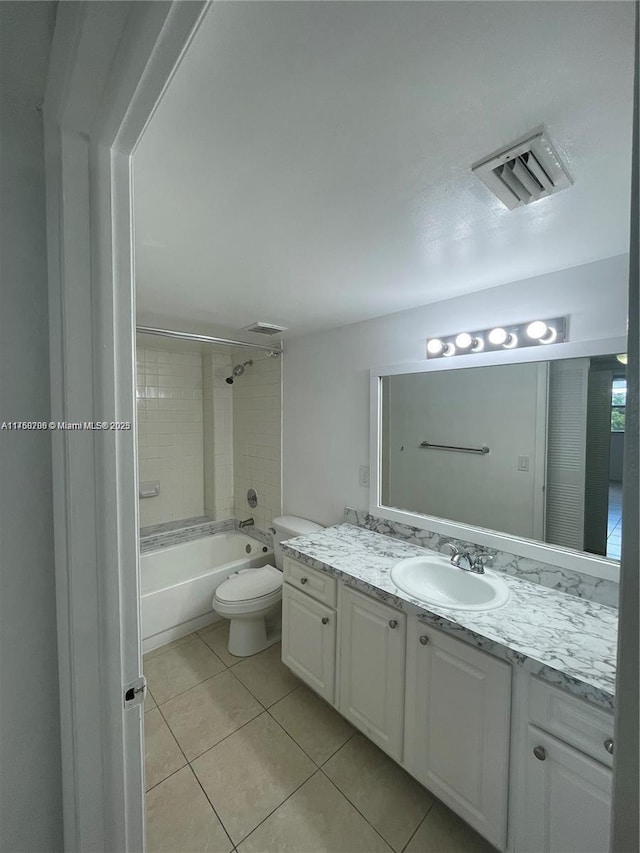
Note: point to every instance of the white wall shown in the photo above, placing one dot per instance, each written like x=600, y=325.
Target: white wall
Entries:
x=170, y=432
x=326, y=375
x=30, y=772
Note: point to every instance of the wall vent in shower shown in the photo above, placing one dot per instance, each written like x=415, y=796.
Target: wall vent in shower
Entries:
x=260, y=328
x=525, y=171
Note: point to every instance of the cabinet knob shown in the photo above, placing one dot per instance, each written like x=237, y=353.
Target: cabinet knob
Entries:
x=608, y=745
x=539, y=752
x=393, y=623
x=424, y=640
x=303, y=580
x=325, y=620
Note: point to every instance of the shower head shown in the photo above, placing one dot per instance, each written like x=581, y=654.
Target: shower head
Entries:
x=238, y=370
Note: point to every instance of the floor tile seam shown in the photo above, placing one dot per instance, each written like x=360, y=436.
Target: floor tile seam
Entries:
x=228, y=665
x=182, y=692
x=248, y=689
x=275, y=809
x=169, y=647
x=173, y=773
x=364, y=817
x=266, y=707
x=291, y=737
x=429, y=810
x=336, y=751
x=213, y=808
x=166, y=722
x=226, y=737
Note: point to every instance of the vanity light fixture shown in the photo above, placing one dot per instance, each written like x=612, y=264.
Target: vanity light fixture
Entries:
x=499, y=336
x=542, y=332
x=435, y=346
x=532, y=333
x=465, y=341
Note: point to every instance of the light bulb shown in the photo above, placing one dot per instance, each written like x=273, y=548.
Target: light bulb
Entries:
x=449, y=350
x=478, y=345
x=537, y=329
x=512, y=342
x=464, y=340
x=498, y=336
x=550, y=337
x=622, y=358
x=435, y=346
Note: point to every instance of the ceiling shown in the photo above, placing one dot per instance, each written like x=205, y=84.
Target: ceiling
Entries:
x=309, y=163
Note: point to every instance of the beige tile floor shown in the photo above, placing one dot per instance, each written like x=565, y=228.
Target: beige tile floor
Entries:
x=240, y=756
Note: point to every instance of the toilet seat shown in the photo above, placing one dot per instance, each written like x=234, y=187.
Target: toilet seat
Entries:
x=248, y=591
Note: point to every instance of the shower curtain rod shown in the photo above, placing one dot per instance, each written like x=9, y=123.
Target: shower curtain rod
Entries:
x=204, y=339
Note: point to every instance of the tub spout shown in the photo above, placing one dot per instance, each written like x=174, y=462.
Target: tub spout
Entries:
x=248, y=522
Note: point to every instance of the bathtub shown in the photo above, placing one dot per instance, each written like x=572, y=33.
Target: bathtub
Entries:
x=178, y=582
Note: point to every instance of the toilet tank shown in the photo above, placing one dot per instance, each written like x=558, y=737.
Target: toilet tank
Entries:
x=288, y=526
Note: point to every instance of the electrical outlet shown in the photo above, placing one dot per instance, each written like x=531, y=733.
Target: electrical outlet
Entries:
x=364, y=475
x=523, y=463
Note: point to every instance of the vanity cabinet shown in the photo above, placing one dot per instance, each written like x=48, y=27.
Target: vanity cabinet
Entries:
x=309, y=629
x=458, y=704
x=372, y=668
x=568, y=799
x=566, y=796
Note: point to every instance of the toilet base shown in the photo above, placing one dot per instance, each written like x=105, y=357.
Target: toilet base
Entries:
x=248, y=636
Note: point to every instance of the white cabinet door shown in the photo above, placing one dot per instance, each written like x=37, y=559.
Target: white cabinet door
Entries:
x=372, y=671
x=457, y=727
x=309, y=641
x=568, y=799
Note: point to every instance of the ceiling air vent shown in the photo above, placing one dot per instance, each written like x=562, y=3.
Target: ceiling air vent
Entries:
x=259, y=328
x=525, y=171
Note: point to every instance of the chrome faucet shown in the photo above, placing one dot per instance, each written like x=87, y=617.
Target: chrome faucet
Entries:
x=246, y=523
x=463, y=559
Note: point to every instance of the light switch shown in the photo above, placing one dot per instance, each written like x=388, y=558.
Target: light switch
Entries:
x=364, y=475
x=523, y=463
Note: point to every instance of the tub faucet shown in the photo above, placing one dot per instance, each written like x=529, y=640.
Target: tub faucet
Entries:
x=463, y=560
x=248, y=522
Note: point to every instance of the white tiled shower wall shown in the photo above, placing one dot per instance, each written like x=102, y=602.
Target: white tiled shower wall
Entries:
x=206, y=441
x=256, y=437
x=170, y=432
x=218, y=433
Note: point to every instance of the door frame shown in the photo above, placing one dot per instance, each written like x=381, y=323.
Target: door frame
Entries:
x=110, y=63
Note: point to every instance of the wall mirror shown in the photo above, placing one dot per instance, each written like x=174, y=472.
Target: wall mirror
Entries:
x=524, y=455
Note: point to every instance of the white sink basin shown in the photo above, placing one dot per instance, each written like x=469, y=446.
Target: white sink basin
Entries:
x=435, y=580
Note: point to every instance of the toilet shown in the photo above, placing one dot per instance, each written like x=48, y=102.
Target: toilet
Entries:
x=251, y=599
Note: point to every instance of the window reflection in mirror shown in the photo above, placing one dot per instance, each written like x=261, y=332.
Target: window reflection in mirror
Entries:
x=554, y=433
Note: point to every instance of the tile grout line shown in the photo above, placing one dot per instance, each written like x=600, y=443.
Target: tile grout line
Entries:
x=213, y=808
x=263, y=710
x=182, y=692
x=275, y=809
x=366, y=819
x=420, y=824
x=226, y=737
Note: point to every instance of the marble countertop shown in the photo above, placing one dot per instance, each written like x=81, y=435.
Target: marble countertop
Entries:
x=568, y=641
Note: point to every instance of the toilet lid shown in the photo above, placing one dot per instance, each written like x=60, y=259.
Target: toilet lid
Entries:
x=250, y=584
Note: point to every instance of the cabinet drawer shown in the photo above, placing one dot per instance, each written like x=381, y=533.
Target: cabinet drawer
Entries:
x=317, y=584
x=573, y=720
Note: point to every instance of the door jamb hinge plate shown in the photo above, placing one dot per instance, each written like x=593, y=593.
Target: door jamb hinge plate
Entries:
x=135, y=692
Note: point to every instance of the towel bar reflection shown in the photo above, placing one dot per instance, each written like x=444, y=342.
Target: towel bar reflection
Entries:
x=481, y=450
